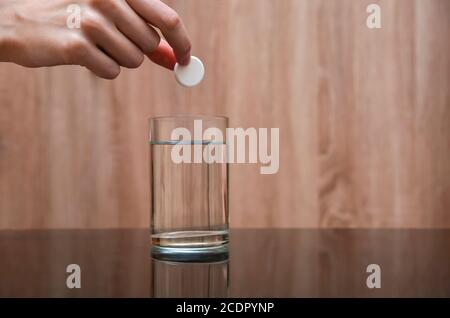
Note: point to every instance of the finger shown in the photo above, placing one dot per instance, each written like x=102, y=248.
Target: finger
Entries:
x=135, y=28
x=102, y=65
x=86, y=54
x=163, y=55
x=167, y=20
x=112, y=41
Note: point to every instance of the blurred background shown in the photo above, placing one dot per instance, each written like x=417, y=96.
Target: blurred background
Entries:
x=364, y=118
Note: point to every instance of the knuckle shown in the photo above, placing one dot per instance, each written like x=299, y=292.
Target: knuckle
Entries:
x=102, y=5
x=91, y=22
x=107, y=8
x=171, y=20
x=76, y=49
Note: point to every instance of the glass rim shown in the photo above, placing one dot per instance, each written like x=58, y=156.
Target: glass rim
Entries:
x=195, y=263
x=188, y=117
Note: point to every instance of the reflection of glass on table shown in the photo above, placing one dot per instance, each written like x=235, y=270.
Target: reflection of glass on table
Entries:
x=189, y=280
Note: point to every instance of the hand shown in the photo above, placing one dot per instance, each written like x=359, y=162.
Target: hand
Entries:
x=112, y=33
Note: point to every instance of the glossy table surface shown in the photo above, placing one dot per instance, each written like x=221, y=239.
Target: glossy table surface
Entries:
x=261, y=263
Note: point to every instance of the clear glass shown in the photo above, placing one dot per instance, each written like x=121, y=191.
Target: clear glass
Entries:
x=189, y=216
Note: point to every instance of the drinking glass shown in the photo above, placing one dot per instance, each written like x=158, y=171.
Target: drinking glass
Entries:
x=189, y=184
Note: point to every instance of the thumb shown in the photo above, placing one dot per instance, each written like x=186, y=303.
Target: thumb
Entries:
x=163, y=55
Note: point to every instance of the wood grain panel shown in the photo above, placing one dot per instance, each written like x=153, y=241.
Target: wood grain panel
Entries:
x=363, y=117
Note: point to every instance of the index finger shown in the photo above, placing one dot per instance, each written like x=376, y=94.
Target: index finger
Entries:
x=168, y=21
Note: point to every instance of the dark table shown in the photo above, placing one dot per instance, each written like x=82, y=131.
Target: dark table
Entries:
x=261, y=263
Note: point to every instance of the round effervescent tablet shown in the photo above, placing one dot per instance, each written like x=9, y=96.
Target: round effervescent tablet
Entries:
x=191, y=74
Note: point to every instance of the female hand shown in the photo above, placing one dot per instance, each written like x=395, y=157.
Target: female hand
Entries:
x=111, y=34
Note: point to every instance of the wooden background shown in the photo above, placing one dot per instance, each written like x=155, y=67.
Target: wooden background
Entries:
x=364, y=118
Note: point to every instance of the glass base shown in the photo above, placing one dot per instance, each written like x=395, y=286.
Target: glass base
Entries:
x=190, y=239
x=200, y=254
